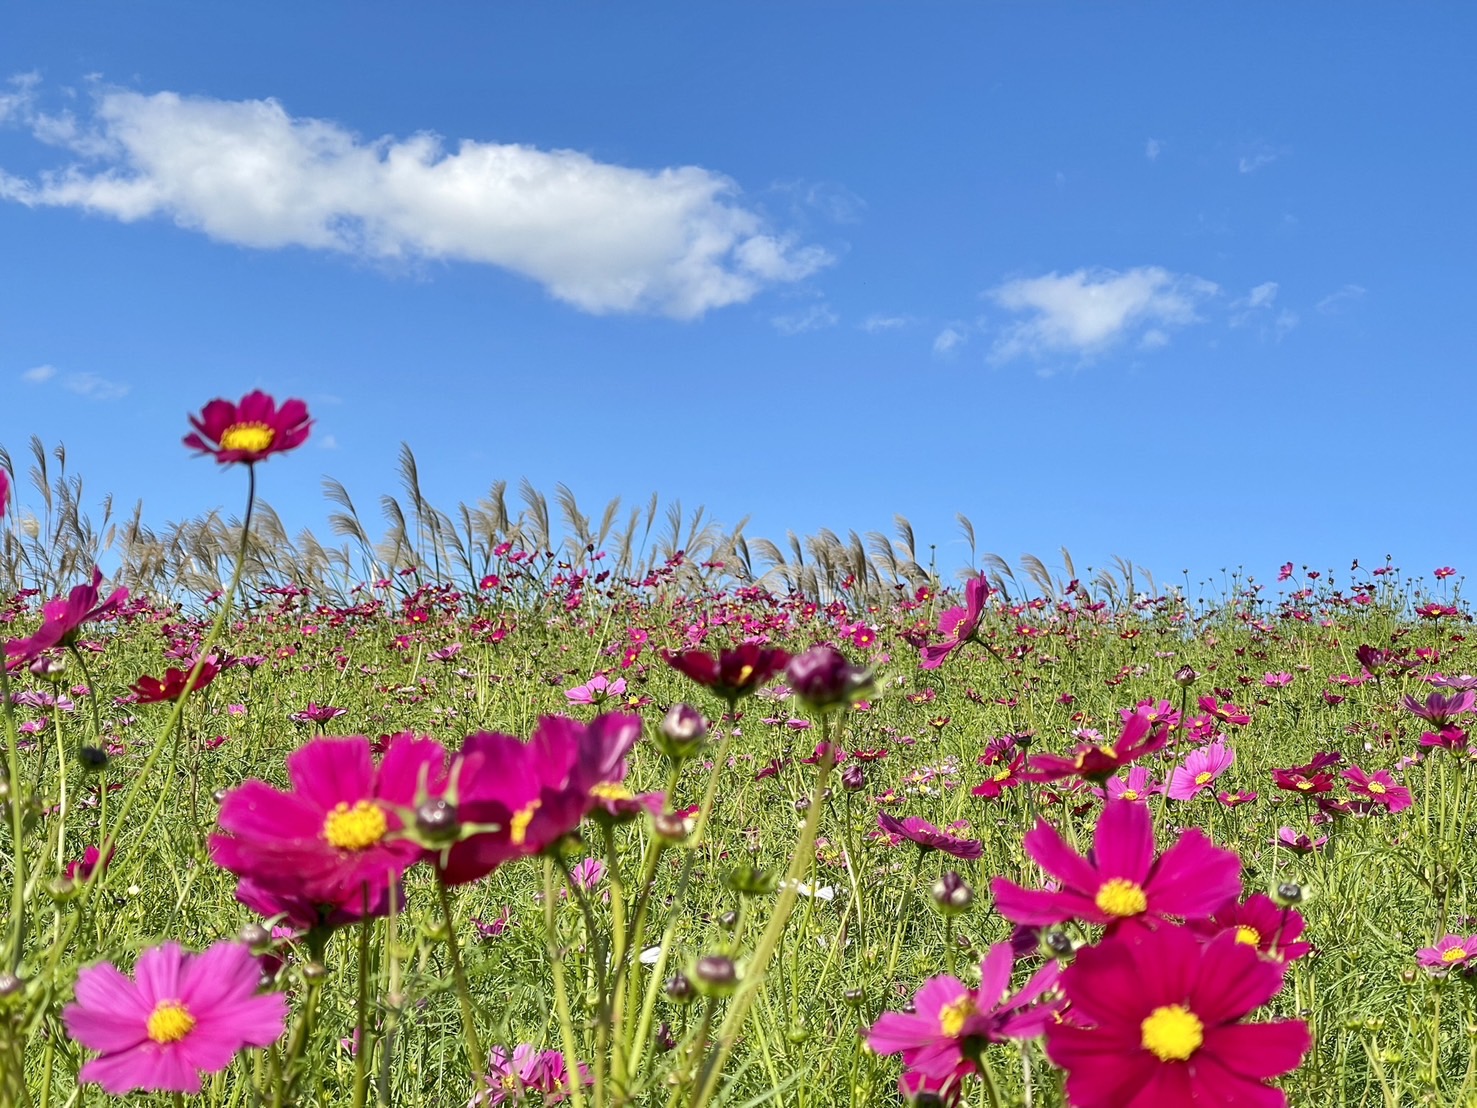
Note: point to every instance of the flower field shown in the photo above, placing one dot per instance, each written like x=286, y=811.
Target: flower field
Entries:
x=514, y=818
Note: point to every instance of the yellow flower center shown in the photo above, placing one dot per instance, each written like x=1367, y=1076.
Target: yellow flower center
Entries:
x=1106, y=749
x=1376, y=788
x=954, y=1015
x=744, y=673
x=1129, y=794
x=1172, y=1033
x=1003, y=774
x=518, y=826
x=1248, y=935
x=611, y=790
x=356, y=828
x=170, y=1022
x=1120, y=897
x=1455, y=954
x=1203, y=777
x=1305, y=785
x=247, y=436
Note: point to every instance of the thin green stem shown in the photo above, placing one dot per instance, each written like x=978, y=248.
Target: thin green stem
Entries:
x=476, y=1060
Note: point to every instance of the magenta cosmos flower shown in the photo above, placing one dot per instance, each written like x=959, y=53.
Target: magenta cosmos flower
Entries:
x=336, y=832
x=183, y=1015
x=151, y=690
x=928, y=837
x=62, y=619
x=1157, y=1023
x=950, y=1023
x=1452, y=952
x=960, y=625
x=1258, y=923
x=1142, y=734
x=249, y=431
x=1378, y=789
x=4, y=492
x=1120, y=881
x=532, y=793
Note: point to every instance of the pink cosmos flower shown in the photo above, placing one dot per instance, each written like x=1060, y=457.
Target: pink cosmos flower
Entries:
x=733, y=673
x=335, y=832
x=1137, y=787
x=596, y=690
x=959, y=624
x=948, y=1016
x=1258, y=923
x=1378, y=789
x=1157, y=1021
x=4, y=492
x=1200, y=770
x=928, y=837
x=1451, y=952
x=1439, y=710
x=61, y=620
x=249, y=431
x=183, y=1015
x=1121, y=882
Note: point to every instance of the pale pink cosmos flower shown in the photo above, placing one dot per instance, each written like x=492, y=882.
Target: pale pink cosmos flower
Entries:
x=1200, y=770
x=596, y=690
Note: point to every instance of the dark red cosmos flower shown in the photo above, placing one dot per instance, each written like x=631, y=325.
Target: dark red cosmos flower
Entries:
x=1097, y=763
x=151, y=690
x=928, y=837
x=62, y=619
x=822, y=678
x=1295, y=781
x=249, y=431
x=734, y=673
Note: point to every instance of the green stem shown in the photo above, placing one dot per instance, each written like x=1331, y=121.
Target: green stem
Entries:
x=17, y=805
x=561, y=993
x=476, y=1060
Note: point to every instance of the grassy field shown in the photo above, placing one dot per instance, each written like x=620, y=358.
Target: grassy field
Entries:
x=737, y=937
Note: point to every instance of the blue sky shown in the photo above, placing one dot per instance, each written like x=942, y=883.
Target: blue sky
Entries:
x=1182, y=283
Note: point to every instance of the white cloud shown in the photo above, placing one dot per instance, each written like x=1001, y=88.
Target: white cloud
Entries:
x=1263, y=295
x=1259, y=156
x=1256, y=308
x=877, y=323
x=326, y=442
x=1152, y=149
x=1086, y=311
x=948, y=340
x=1336, y=302
x=89, y=385
x=605, y=238
x=815, y=318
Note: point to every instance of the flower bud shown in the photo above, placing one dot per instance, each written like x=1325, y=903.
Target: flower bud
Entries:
x=10, y=984
x=681, y=732
x=1058, y=944
x=679, y=988
x=437, y=821
x=256, y=937
x=715, y=975
x=314, y=971
x=669, y=827
x=1289, y=894
x=751, y=881
x=854, y=998
x=1185, y=676
x=94, y=759
x=822, y=678
x=853, y=778
x=951, y=895
x=49, y=669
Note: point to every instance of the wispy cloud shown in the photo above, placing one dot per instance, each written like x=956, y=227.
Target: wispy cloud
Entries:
x=604, y=238
x=949, y=340
x=817, y=317
x=1258, y=309
x=92, y=386
x=1256, y=158
x=1152, y=149
x=1338, y=301
x=1087, y=311
x=876, y=323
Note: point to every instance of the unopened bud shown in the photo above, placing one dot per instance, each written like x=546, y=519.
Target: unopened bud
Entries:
x=1289, y=894
x=679, y=988
x=951, y=895
x=853, y=778
x=49, y=669
x=314, y=971
x=715, y=975
x=1185, y=676
x=437, y=821
x=94, y=759
x=681, y=732
x=256, y=937
x=10, y=984
x=751, y=881
x=669, y=827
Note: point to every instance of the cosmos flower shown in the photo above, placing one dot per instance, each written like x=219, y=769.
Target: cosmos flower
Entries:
x=1451, y=952
x=335, y=832
x=1097, y=763
x=950, y=1020
x=928, y=837
x=733, y=673
x=151, y=690
x=1157, y=1022
x=1378, y=790
x=1200, y=769
x=1259, y=923
x=182, y=1016
x=61, y=620
x=1440, y=710
x=250, y=431
x=960, y=624
x=1121, y=881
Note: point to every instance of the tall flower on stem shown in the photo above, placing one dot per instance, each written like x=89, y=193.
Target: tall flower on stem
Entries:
x=1157, y=1020
x=960, y=625
x=1141, y=735
x=733, y=674
x=61, y=620
x=249, y=431
x=1200, y=769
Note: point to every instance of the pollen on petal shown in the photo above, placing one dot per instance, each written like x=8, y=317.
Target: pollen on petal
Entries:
x=1121, y=897
x=518, y=825
x=169, y=1022
x=1172, y=1033
x=355, y=828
